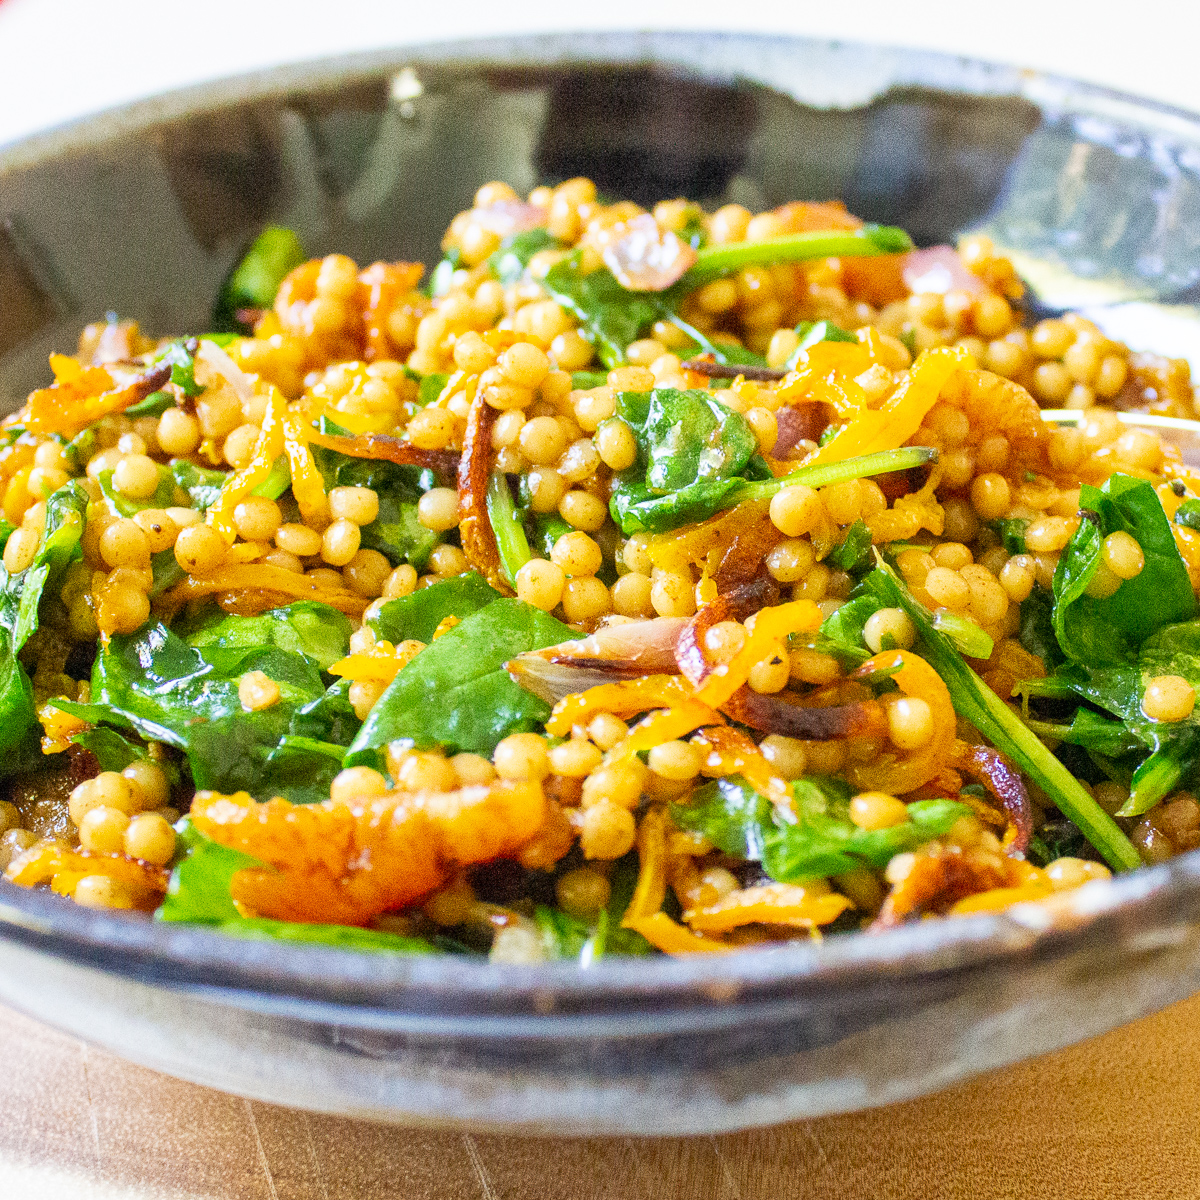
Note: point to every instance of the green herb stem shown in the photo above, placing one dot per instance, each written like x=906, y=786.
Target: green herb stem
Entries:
x=975, y=701
x=714, y=261
x=819, y=474
x=511, y=541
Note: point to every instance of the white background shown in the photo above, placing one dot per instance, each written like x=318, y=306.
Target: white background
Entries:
x=60, y=59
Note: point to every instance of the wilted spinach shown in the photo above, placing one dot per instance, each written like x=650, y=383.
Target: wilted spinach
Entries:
x=456, y=693
x=821, y=841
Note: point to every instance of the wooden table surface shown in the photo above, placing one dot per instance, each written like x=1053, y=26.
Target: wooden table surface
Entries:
x=1118, y=1116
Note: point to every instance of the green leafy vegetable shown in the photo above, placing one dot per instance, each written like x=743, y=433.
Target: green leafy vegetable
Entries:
x=431, y=387
x=418, y=614
x=692, y=451
x=821, y=841
x=1109, y=630
x=154, y=405
x=182, y=689
x=256, y=278
x=854, y=554
x=511, y=542
x=183, y=367
x=441, y=279
x=202, y=484
x=1188, y=514
x=397, y=531
x=456, y=693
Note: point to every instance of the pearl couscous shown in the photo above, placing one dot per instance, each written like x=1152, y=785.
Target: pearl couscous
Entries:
x=644, y=581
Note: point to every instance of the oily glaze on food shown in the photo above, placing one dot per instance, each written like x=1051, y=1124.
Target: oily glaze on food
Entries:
x=648, y=581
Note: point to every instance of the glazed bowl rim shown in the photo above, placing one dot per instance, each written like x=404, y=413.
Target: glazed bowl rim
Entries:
x=194, y=957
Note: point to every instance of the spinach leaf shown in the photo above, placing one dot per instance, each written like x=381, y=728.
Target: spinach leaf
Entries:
x=154, y=405
x=508, y=264
x=1120, y=689
x=121, y=506
x=610, y=317
x=1188, y=514
x=183, y=690
x=456, y=693
x=396, y=532
x=254, y=281
x=854, y=554
x=584, y=381
x=841, y=633
x=183, y=366
x=1012, y=533
x=821, y=841
x=563, y=936
x=330, y=719
x=114, y=751
x=692, y=451
x=20, y=594
x=198, y=889
x=340, y=937
x=303, y=768
x=418, y=614
x=202, y=484
x=305, y=627
x=1037, y=627
x=431, y=387
x=1109, y=630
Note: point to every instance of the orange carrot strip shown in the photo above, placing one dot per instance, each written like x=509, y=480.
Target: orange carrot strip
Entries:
x=239, y=485
x=770, y=904
x=901, y=416
x=628, y=697
x=264, y=577
x=887, y=773
x=672, y=938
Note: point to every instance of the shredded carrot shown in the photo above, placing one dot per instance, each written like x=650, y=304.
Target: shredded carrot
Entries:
x=902, y=414
x=651, y=888
x=81, y=395
x=664, y=725
x=383, y=662
x=772, y=626
x=886, y=772
x=627, y=697
x=307, y=485
x=1031, y=888
x=268, y=447
x=264, y=577
x=731, y=752
x=672, y=938
x=770, y=904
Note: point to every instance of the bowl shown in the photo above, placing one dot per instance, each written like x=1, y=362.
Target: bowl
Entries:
x=1095, y=195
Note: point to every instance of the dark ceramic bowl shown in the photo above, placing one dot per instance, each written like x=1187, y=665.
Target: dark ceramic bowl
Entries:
x=1097, y=197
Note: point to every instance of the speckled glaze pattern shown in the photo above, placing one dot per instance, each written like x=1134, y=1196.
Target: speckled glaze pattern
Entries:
x=1096, y=196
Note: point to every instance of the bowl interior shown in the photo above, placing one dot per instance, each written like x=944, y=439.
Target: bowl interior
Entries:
x=142, y=212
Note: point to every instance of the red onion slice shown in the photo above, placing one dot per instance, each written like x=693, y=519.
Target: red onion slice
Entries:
x=939, y=269
x=645, y=258
x=506, y=217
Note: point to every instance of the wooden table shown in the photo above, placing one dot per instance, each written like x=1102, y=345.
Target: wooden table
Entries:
x=1117, y=1116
